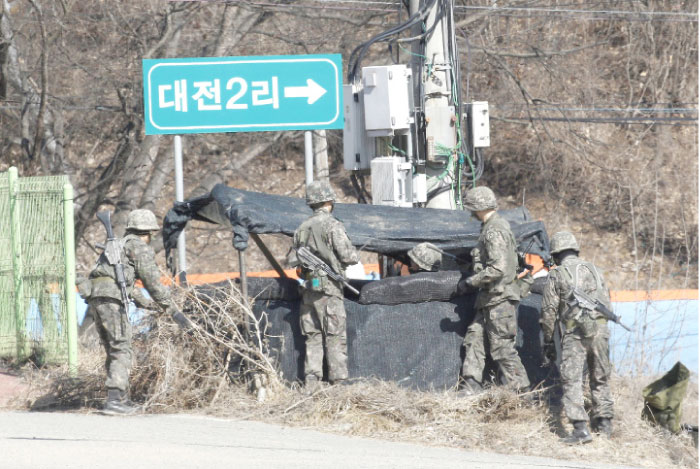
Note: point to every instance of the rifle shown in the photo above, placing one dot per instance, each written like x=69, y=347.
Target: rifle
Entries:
x=548, y=262
x=445, y=253
x=311, y=262
x=522, y=263
x=583, y=301
x=112, y=252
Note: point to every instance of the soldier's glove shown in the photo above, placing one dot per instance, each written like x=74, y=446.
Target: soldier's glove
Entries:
x=182, y=321
x=550, y=353
x=464, y=286
x=477, y=265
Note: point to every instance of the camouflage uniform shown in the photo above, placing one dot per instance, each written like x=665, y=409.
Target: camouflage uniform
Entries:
x=495, y=323
x=322, y=315
x=584, y=338
x=111, y=318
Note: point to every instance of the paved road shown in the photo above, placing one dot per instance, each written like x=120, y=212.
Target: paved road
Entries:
x=33, y=440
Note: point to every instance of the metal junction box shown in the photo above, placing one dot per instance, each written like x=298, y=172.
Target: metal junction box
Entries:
x=480, y=124
x=387, y=91
x=441, y=121
x=358, y=148
x=392, y=178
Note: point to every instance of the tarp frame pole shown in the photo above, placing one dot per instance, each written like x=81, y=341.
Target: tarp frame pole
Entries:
x=244, y=286
x=268, y=255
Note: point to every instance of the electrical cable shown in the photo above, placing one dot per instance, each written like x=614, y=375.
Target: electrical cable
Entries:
x=359, y=52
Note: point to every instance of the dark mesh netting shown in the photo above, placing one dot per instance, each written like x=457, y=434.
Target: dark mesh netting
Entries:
x=416, y=345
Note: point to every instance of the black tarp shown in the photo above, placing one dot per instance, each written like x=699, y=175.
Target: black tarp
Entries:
x=382, y=229
x=416, y=345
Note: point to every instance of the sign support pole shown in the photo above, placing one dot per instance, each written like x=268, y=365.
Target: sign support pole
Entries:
x=309, y=157
x=180, y=197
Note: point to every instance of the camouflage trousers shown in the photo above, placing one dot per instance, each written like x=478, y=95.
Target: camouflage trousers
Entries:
x=323, y=323
x=577, y=350
x=495, y=327
x=115, y=334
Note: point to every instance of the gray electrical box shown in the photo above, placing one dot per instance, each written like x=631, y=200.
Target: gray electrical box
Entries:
x=358, y=148
x=441, y=121
x=480, y=124
x=392, y=178
x=387, y=91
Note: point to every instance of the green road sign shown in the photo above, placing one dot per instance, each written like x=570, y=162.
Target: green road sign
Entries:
x=242, y=94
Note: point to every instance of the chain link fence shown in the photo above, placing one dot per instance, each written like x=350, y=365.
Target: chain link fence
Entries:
x=37, y=269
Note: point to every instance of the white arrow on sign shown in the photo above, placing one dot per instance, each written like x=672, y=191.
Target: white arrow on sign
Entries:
x=313, y=91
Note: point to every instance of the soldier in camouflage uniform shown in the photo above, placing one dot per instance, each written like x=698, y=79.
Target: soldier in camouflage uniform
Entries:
x=425, y=257
x=322, y=314
x=495, y=324
x=111, y=317
x=584, y=337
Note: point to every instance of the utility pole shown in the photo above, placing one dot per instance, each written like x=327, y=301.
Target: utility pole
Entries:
x=440, y=129
x=403, y=122
x=416, y=68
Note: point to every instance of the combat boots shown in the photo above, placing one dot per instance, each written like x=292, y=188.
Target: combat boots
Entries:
x=469, y=387
x=603, y=427
x=312, y=384
x=118, y=403
x=580, y=435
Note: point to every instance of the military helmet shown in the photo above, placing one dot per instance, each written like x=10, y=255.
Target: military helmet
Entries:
x=426, y=256
x=480, y=198
x=318, y=192
x=142, y=220
x=562, y=241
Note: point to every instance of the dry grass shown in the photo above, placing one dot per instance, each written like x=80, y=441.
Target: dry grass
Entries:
x=220, y=373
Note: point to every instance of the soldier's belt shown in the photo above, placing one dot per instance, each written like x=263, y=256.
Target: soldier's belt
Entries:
x=103, y=280
x=571, y=323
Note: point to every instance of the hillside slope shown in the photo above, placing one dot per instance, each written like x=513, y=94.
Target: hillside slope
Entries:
x=593, y=112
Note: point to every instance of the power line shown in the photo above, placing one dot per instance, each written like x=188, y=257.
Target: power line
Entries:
x=689, y=121
x=285, y=6
x=565, y=17
x=366, y=2
x=686, y=16
x=524, y=12
x=600, y=109
x=693, y=15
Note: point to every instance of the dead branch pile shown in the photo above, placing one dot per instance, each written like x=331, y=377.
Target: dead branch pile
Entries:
x=176, y=369
x=226, y=344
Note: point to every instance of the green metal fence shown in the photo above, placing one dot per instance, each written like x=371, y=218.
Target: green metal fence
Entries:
x=37, y=269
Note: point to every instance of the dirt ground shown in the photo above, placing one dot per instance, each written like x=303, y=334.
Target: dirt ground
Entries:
x=494, y=422
x=12, y=386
